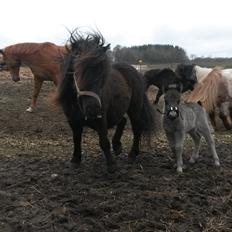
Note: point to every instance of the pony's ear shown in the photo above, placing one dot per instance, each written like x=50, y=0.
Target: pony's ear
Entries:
x=106, y=47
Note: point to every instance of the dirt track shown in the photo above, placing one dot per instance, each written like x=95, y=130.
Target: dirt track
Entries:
x=38, y=192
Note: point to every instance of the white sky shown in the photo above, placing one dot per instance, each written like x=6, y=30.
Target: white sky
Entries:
x=201, y=27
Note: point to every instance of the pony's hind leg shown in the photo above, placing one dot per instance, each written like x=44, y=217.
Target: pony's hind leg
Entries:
x=212, y=118
x=210, y=141
x=116, y=141
x=225, y=115
x=197, y=140
x=136, y=140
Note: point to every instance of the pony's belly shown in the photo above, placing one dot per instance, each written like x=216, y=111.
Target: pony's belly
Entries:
x=116, y=112
x=114, y=118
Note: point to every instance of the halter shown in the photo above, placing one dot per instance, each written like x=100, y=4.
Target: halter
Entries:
x=174, y=112
x=87, y=93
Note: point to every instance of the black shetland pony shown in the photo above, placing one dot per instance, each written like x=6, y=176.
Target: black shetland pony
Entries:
x=166, y=78
x=96, y=94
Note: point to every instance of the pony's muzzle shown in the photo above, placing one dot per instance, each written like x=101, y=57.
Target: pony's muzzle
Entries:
x=173, y=113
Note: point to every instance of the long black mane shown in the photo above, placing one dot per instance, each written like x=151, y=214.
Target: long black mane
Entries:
x=94, y=64
x=87, y=68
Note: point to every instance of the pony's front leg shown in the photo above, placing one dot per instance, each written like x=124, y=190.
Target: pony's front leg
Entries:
x=116, y=141
x=136, y=139
x=178, y=150
x=76, y=157
x=105, y=146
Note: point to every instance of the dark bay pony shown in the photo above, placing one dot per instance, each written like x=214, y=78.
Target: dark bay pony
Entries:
x=98, y=95
x=164, y=78
x=44, y=60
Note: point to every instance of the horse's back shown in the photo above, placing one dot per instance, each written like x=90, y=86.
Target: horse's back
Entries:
x=119, y=92
x=134, y=80
x=202, y=72
x=128, y=71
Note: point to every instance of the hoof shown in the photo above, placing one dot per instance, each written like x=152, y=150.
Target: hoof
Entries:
x=118, y=151
x=74, y=164
x=29, y=109
x=192, y=161
x=217, y=163
x=179, y=170
x=132, y=157
x=111, y=168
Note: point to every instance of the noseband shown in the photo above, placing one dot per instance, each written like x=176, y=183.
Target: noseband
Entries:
x=87, y=93
x=174, y=112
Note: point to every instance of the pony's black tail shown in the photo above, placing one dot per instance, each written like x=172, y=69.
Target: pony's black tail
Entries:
x=149, y=120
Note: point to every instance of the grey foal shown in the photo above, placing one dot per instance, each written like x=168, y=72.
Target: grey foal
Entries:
x=182, y=118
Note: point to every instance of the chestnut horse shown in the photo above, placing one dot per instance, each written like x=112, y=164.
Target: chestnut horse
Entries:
x=44, y=60
x=96, y=94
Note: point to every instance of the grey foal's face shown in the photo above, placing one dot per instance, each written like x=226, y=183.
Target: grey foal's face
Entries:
x=172, y=101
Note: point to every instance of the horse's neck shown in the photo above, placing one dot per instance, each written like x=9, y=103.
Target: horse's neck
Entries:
x=202, y=73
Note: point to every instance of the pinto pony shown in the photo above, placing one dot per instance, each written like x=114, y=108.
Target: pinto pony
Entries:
x=214, y=91
x=44, y=60
x=96, y=94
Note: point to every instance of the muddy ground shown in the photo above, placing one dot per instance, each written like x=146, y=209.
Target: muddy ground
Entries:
x=38, y=192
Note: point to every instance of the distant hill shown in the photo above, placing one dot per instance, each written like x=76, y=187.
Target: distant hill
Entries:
x=212, y=62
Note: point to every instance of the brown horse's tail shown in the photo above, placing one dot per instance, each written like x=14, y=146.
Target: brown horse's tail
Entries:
x=207, y=91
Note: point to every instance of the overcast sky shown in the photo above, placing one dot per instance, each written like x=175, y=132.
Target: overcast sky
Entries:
x=201, y=27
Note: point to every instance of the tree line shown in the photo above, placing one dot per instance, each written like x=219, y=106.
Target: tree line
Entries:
x=150, y=54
